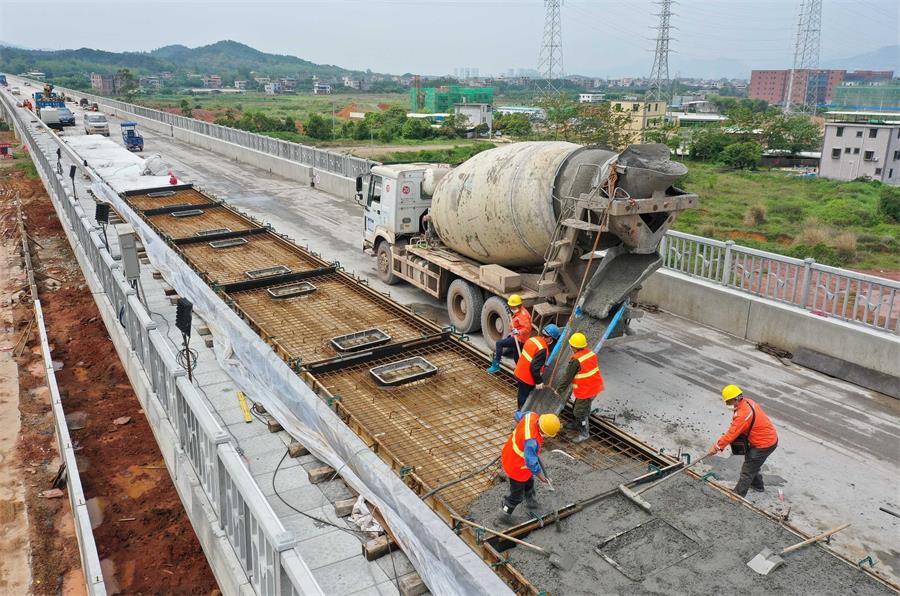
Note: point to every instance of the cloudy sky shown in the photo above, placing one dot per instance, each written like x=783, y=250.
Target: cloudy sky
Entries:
x=600, y=37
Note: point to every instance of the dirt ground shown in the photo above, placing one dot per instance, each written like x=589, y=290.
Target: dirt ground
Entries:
x=145, y=541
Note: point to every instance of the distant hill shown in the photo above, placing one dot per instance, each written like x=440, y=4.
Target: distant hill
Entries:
x=886, y=58
x=229, y=59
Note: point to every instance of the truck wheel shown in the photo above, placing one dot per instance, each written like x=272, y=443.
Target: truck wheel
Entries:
x=384, y=263
x=464, y=303
x=494, y=320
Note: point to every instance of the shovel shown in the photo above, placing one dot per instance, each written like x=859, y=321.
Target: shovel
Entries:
x=767, y=560
x=563, y=561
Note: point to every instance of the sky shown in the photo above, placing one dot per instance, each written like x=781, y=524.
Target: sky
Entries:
x=600, y=37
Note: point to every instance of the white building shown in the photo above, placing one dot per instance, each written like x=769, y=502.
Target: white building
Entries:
x=591, y=97
x=242, y=85
x=857, y=145
x=476, y=113
x=321, y=89
x=272, y=88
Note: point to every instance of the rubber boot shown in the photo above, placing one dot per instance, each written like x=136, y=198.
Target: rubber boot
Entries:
x=494, y=367
x=585, y=433
x=531, y=501
x=504, y=519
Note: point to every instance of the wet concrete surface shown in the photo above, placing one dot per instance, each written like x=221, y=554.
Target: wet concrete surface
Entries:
x=690, y=519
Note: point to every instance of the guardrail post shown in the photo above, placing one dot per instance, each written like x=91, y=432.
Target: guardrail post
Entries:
x=807, y=276
x=726, y=267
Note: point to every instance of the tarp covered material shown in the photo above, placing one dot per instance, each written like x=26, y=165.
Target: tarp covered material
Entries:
x=120, y=168
x=447, y=565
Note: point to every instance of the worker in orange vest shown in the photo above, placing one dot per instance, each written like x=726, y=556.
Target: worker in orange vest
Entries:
x=530, y=367
x=583, y=372
x=520, y=462
x=519, y=331
x=751, y=434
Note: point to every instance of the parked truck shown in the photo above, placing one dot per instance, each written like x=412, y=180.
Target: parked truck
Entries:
x=47, y=99
x=524, y=219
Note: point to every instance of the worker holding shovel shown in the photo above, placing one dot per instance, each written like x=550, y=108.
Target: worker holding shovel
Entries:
x=520, y=461
x=751, y=434
x=530, y=366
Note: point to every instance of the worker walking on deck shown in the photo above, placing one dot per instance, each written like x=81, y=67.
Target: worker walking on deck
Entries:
x=583, y=372
x=751, y=434
x=519, y=459
x=519, y=332
x=530, y=367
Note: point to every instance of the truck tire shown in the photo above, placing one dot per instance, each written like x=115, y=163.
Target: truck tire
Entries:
x=384, y=263
x=494, y=320
x=464, y=304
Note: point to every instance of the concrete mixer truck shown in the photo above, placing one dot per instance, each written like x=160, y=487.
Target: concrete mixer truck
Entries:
x=560, y=224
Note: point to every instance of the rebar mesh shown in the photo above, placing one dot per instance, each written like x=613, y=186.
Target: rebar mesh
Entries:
x=303, y=326
x=230, y=265
x=188, y=196
x=215, y=218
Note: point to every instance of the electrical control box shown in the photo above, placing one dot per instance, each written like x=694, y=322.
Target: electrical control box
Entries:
x=128, y=252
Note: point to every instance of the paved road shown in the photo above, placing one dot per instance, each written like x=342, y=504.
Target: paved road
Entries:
x=839, y=445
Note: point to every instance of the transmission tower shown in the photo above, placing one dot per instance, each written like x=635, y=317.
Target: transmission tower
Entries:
x=660, y=86
x=550, y=61
x=806, y=59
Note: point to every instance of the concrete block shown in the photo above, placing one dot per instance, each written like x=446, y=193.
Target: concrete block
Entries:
x=848, y=371
x=297, y=449
x=321, y=474
x=500, y=278
x=344, y=507
x=273, y=425
x=412, y=585
x=378, y=547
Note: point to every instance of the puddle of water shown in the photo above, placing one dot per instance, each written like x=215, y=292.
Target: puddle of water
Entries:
x=136, y=480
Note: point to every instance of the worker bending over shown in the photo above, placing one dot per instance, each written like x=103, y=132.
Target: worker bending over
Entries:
x=519, y=459
x=530, y=367
x=583, y=372
x=751, y=434
x=519, y=332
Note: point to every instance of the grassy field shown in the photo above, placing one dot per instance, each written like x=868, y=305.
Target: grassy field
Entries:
x=837, y=223
x=298, y=107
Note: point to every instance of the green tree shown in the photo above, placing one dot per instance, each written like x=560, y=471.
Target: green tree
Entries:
x=742, y=156
x=316, y=127
x=792, y=133
x=186, y=109
x=518, y=125
x=708, y=144
x=561, y=114
x=361, y=131
x=127, y=85
x=416, y=128
x=668, y=133
x=600, y=124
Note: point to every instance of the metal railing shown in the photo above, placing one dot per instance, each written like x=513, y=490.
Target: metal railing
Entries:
x=260, y=542
x=328, y=161
x=856, y=298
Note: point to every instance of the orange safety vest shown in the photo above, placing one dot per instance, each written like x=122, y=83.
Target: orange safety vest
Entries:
x=761, y=436
x=531, y=349
x=513, y=454
x=588, y=382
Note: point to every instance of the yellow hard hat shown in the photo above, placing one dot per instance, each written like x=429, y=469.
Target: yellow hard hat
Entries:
x=549, y=424
x=514, y=300
x=578, y=341
x=730, y=392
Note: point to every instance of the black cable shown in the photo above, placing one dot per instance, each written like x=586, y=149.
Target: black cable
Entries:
x=461, y=479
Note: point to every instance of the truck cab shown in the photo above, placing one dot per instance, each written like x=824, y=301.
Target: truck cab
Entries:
x=396, y=200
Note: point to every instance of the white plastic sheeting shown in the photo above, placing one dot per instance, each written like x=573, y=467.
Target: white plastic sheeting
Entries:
x=120, y=168
x=447, y=565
